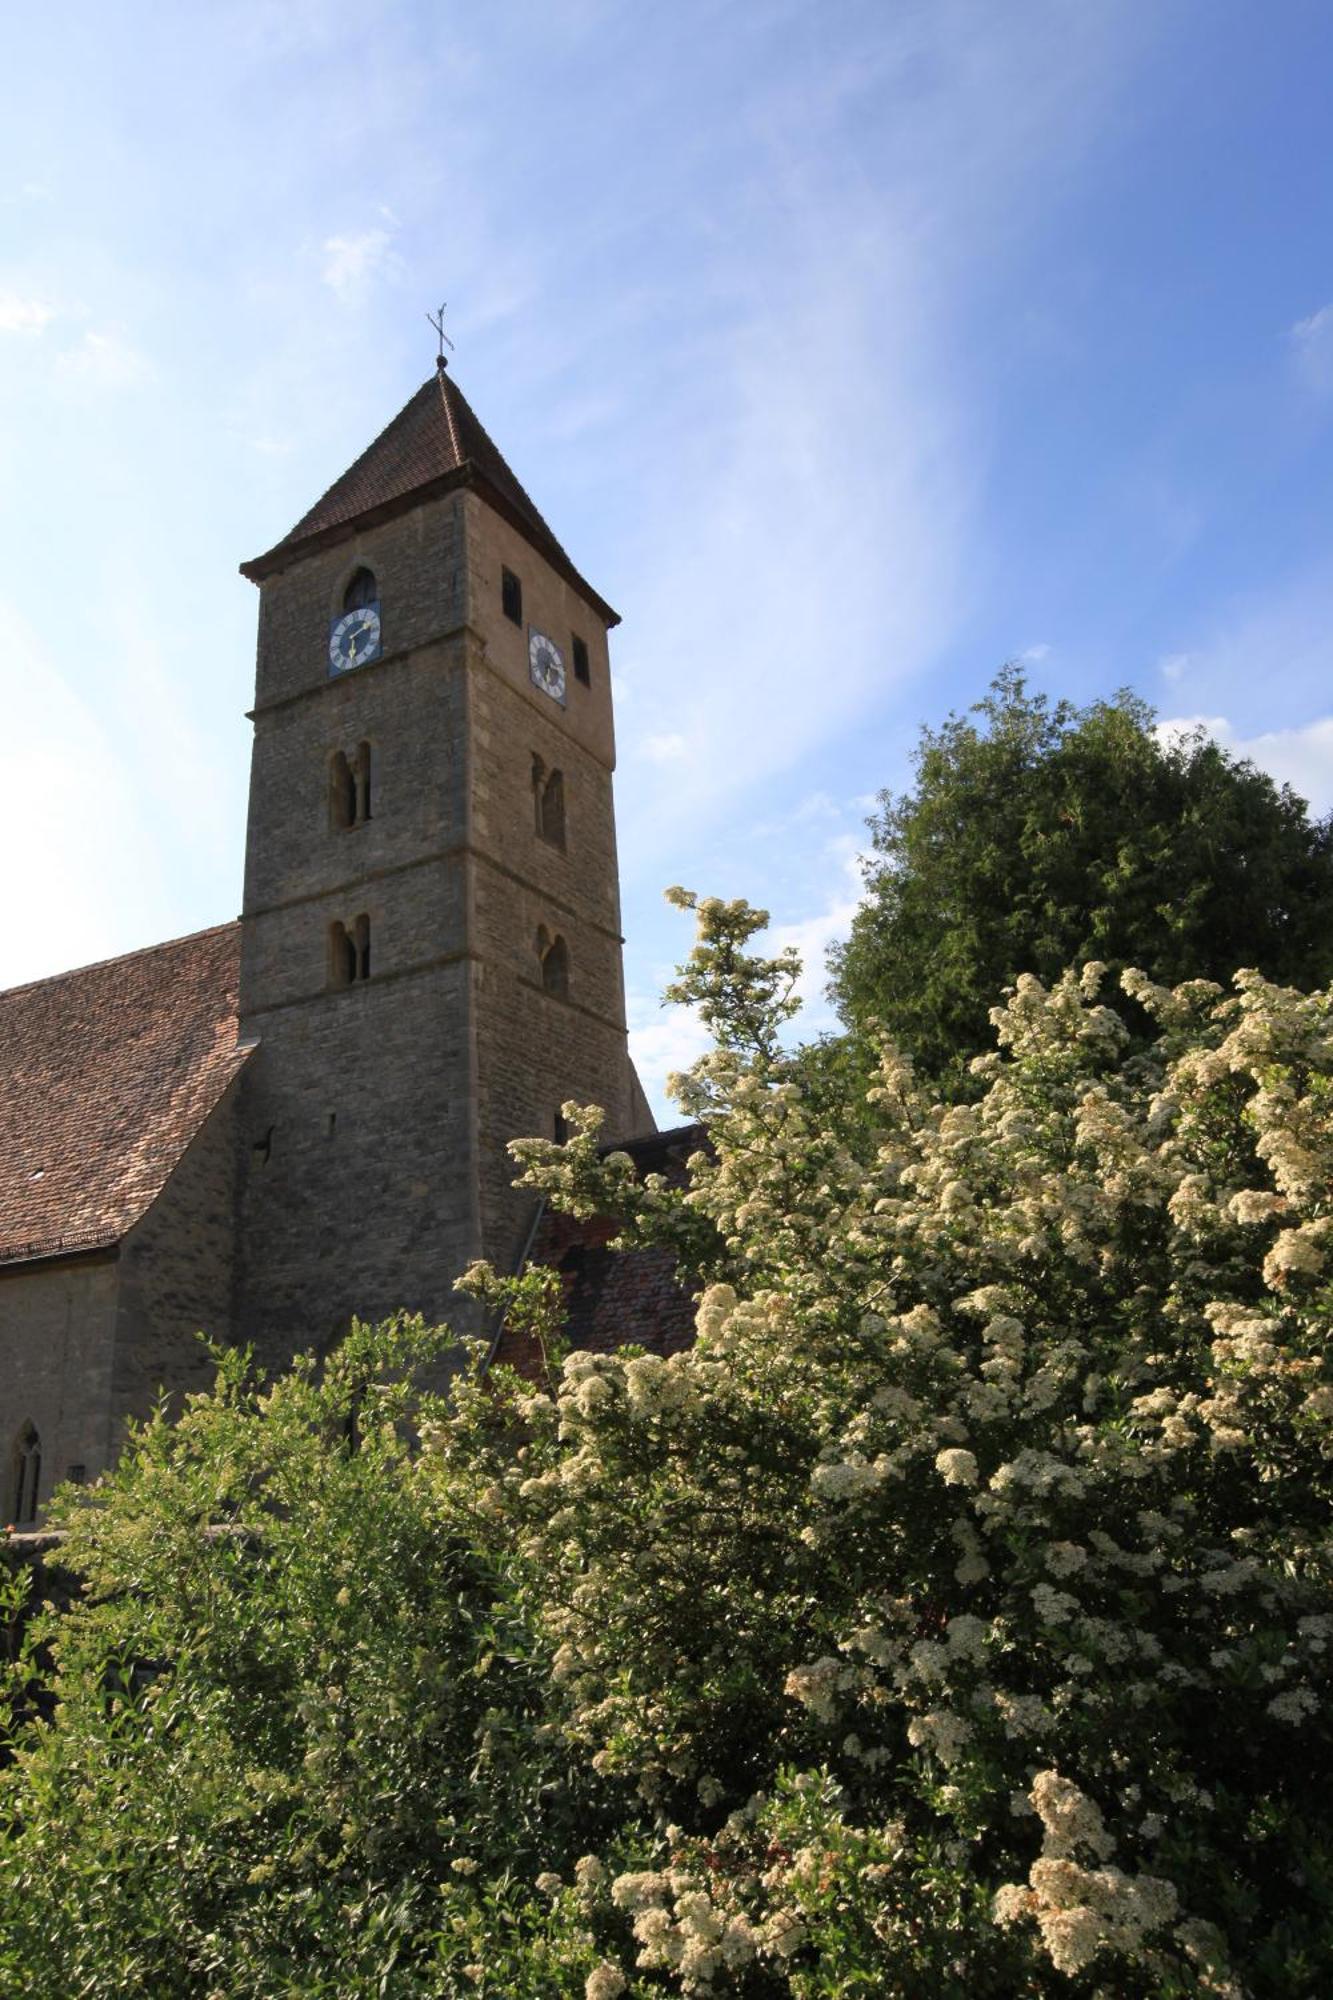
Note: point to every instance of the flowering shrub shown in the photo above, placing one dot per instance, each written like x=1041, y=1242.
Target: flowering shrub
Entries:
x=953, y=1619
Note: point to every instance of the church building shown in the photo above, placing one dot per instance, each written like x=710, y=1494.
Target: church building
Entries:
x=302, y=1115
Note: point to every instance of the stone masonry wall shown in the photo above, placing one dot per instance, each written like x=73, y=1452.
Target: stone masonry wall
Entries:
x=57, y=1340
x=176, y=1274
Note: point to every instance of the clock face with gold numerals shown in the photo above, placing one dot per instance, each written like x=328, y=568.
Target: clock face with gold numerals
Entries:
x=354, y=639
x=546, y=664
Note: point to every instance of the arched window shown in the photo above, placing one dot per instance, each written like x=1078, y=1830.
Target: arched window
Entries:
x=26, y=1472
x=554, y=955
x=361, y=947
x=361, y=773
x=361, y=590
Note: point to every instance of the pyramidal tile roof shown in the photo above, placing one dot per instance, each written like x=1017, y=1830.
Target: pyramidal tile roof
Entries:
x=436, y=442
x=107, y=1075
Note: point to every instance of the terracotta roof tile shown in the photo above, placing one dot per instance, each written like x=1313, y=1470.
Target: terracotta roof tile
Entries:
x=436, y=440
x=106, y=1074
x=615, y=1298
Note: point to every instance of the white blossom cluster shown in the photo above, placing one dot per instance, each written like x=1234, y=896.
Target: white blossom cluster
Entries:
x=1005, y=1447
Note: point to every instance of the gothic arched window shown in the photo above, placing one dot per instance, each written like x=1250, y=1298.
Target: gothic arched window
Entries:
x=26, y=1472
x=361, y=590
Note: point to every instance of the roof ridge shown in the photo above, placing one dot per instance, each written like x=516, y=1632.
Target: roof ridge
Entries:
x=119, y=958
x=445, y=386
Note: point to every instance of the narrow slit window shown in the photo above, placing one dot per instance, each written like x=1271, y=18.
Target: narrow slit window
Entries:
x=581, y=669
x=361, y=943
x=361, y=777
x=551, y=808
x=342, y=793
x=555, y=964
x=342, y=956
x=26, y=1472
x=511, y=597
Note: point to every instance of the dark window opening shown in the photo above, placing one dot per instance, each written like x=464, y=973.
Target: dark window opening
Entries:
x=331, y=1125
x=581, y=671
x=342, y=956
x=554, y=955
x=26, y=1469
x=548, y=795
x=349, y=952
x=349, y=788
x=77, y=1475
x=342, y=793
x=362, y=590
x=560, y=1126
x=263, y=1148
x=511, y=597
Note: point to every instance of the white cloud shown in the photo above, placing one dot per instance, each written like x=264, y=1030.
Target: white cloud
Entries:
x=24, y=315
x=813, y=935
x=352, y=263
x=1312, y=345
x=99, y=888
x=665, y=749
x=1173, y=666
x=1301, y=757
x=812, y=546
x=103, y=361
x=1036, y=654
x=663, y=1040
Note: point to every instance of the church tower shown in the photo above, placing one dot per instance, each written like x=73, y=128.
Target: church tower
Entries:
x=430, y=950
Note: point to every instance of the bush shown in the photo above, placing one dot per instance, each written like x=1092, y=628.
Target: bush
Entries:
x=954, y=1619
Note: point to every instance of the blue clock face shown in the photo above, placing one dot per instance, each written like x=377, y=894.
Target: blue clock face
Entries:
x=354, y=639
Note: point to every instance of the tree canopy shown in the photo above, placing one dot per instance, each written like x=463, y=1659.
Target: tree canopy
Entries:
x=954, y=1618
x=1039, y=835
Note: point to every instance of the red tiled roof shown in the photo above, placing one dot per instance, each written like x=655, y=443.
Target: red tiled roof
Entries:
x=436, y=441
x=106, y=1074
x=615, y=1298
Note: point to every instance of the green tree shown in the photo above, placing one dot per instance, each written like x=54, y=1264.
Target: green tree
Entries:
x=1039, y=835
x=954, y=1618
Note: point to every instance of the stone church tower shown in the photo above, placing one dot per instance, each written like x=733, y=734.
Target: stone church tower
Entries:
x=265, y=1128
x=431, y=950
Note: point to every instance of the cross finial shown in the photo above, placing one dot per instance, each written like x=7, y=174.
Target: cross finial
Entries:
x=437, y=321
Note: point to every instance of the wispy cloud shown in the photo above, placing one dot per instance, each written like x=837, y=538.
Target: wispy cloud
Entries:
x=104, y=361
x=99, y=888
x=352, y=263
x=24, y=315
x=1312, y=345
x=668, y=748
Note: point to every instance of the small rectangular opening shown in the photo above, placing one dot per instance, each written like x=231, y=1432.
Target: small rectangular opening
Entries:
x=581, y=672
x=511, y=596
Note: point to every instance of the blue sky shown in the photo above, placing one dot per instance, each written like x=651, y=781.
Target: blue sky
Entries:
x=851, y=349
